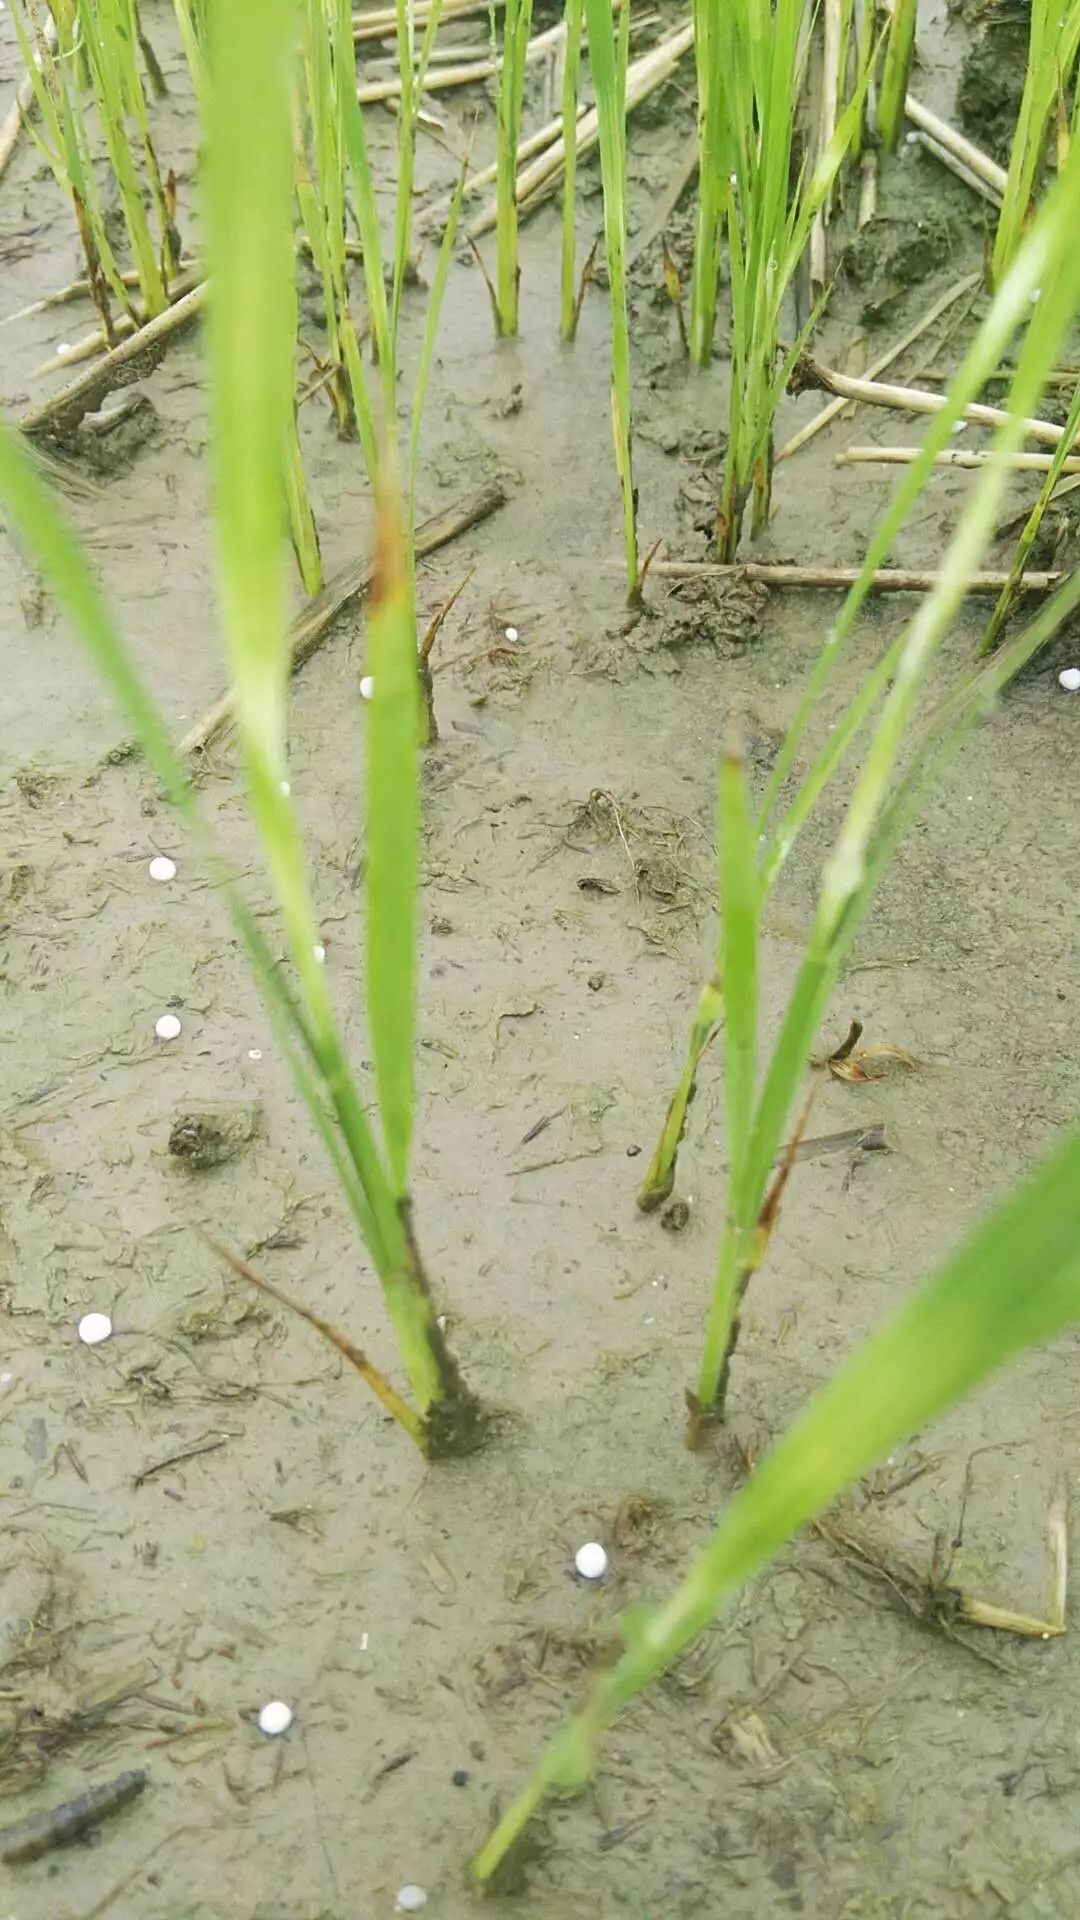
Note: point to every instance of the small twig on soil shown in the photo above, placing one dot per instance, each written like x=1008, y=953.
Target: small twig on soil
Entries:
x=885, y=580
x=210, y=1445
x=808, y=372
x=865, y=1139
x=953, y=457
x=315, y=621
x=944, y=139
x=29, y=1839
x=885, y=360
x=116, y=369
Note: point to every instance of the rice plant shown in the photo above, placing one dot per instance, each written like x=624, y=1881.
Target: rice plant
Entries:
x=748, y=66
x=517, y=25
x=93, y=55
x=1016, y=1279
x=608, y=59
x=892, y=92
x=1029, y=532
x=251, y=326
x=752, y=854
x=1007, y=312
x=568, y=296
x=1012, y=1283
x=714, y=167
x=1052, y=51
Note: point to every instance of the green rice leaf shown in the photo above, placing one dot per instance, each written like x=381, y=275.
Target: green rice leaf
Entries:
x=1013, y=1282
x=393, y=833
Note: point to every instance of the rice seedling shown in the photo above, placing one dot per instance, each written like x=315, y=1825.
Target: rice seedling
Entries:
x=983, y=1305
x=1052, y=51
x=1029, y=532
x=1014, y=1282
x=896, y=67
x=608, y=59
x=713, y=169
x=568, y=300
x=251, y=327
x=748, y=83
x=95, y=51
x=856, y=863
x=517, y=25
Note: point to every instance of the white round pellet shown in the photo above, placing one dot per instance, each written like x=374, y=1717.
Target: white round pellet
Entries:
x=591, y=1560
x=275, y=1717
x=512, y=633
x=254, y=1053
x=63, y=349
x=162, y=868
x=320, y=952
x=1069, y=678
x=285, y=788
x=410, y=1899
x=167, y=1026
x=367, y=687
x=94, y=1328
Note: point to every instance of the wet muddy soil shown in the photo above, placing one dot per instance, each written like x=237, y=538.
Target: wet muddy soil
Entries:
x=206, y=1512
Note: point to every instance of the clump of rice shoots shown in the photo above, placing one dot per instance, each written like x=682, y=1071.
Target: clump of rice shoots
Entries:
x=892, y=92
x=714, y=167
x=1015, y=1280
x=778, y=837
x=517, y=26
x=251, y=325
x=568, y=291
x=752, y=83
x=608, y=60
x=1052, y=53
x=92, y=57
x=1008, y=596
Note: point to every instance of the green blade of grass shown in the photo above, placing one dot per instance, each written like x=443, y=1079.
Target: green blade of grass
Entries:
x=571, y=80
x=57, y=553
x=899, y=48
x=607, y=61
x=739, y=898
x=367, y=219
x=1015, y=1281
x=393, y=834
x=1007, y=598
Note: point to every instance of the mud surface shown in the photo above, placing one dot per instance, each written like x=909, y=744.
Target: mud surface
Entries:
x=823, y=1750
